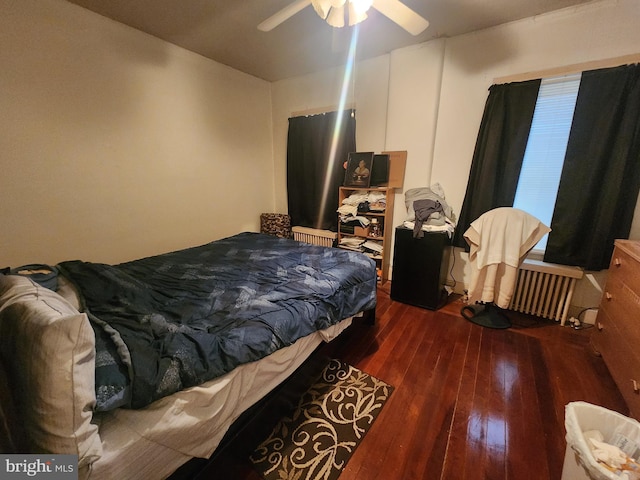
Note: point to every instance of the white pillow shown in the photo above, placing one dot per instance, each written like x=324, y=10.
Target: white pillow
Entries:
x=50, y=360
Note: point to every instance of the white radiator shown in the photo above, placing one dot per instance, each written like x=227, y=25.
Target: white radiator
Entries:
x=326, y=238
x=545, y=289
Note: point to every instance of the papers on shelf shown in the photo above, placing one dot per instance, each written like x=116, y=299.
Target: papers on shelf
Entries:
x=375, y=246
x=370, y=247
x=364, y=221
x=352, y=241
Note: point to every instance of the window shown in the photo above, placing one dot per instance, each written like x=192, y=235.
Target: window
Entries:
x=599, y=168
x=546, y=147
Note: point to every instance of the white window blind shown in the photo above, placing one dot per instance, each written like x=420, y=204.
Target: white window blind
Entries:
x=544, y=156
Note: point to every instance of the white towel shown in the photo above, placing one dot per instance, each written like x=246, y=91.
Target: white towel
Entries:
x=499, y=240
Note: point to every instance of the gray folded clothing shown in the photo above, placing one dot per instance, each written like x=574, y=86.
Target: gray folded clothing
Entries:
x=424, y=209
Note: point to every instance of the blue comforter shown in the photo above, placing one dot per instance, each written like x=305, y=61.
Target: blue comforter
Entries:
x=176, y=320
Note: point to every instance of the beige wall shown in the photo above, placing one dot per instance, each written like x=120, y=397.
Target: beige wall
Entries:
x=432, y=104
x=116, y=145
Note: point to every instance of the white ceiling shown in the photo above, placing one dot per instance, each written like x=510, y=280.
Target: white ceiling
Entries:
x=225, y=30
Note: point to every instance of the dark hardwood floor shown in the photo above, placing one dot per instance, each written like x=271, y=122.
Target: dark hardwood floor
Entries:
x=469, y=402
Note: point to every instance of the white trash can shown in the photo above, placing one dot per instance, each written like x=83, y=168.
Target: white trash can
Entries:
x=616, y=429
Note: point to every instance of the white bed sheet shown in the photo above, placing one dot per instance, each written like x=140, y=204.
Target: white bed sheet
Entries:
x=152, y=442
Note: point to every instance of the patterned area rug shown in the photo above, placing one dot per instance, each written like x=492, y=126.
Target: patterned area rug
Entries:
x=331, y=420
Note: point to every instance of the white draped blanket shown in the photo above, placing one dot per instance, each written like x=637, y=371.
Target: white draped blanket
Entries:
x=499, y=240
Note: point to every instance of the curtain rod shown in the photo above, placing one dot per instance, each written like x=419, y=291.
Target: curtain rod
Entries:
x=320, y=110
x=569, y=69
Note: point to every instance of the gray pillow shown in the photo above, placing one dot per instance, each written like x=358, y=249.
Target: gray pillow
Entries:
x=51, y=359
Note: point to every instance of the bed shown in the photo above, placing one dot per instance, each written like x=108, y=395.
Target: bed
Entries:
x=139, y=367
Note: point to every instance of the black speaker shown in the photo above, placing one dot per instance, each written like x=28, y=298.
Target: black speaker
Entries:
x=380, y=170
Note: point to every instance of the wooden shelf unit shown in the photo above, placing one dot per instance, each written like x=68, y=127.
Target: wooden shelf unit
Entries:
x=385, y=219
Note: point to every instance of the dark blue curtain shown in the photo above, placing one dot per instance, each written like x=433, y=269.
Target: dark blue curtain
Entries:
x=499, y=152
x=601, y=173
x=314, y=175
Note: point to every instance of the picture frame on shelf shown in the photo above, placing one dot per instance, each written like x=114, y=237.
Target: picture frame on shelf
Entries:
x=358, y=172
x=380, y=170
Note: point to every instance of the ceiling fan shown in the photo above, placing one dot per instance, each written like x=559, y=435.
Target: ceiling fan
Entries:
x=333, y=11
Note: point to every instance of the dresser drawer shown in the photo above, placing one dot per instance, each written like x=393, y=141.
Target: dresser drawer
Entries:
x=620, y=353
x=624, y=267
x=622, y=305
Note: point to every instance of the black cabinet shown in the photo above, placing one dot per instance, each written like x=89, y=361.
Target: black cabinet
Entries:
x=420, y=268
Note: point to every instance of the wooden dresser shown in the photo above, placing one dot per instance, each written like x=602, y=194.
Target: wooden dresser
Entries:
x=617, y=336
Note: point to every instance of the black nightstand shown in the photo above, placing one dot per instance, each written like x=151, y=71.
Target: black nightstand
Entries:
x=420, y=268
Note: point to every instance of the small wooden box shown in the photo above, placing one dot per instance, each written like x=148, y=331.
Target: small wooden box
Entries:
x=361, y=231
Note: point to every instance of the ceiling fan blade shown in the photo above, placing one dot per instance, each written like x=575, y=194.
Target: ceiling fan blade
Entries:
x=402, y=15
x=287, y=12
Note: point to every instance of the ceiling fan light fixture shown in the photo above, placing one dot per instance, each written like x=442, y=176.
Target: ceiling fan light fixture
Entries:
x=333, y=12
x=336, y=17
x=360, y=6
x=356, y=14
x=322, y=7
x=356, y=18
